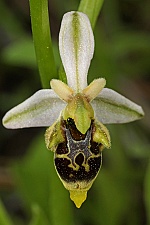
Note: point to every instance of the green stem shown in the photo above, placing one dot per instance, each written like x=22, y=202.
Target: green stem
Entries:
x=91, y=8
x=42, y=41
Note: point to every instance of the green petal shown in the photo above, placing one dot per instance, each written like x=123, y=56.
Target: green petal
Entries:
x=111, y=107
x=101, y=134
x=40, y=110
x=80, y=110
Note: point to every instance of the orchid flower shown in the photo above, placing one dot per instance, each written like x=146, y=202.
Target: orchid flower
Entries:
x=75, y=112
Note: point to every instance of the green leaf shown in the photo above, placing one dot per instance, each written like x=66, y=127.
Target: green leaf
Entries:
x=38, y=216
x=147, y=192
x=42, y=40
x=20, y=53
x=9, y=22
x=91, y=8
x=4, y=217
x=32, y=174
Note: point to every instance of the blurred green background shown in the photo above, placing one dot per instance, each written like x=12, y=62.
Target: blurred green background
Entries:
x=30, y=190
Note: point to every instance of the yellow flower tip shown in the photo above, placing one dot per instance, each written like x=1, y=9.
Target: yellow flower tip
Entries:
x=78, y=197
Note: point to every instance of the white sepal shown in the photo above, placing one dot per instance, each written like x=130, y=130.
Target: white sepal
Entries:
x=111, y=107
x=76, y=45
x=40, y=110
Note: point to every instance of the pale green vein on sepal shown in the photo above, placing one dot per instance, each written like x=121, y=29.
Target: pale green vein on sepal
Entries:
x=36, y=111
x=111, y=107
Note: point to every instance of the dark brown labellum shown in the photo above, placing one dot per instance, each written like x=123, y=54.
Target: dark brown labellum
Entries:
x=78, y=158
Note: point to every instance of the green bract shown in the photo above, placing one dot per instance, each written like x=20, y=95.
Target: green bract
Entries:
x=75, y=109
